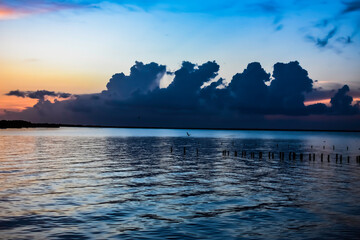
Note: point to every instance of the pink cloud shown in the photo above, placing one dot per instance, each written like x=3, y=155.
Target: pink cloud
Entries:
x=8, y=11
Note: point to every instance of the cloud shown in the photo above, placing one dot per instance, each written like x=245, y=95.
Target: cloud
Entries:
x=142, y=78
x=340, y=24
x=247, y=90
x=324, y=41
x=341, y=102
x=39, y=94
x=247, y=101
x=287, y=89
x=12, y=9
x=351, y=6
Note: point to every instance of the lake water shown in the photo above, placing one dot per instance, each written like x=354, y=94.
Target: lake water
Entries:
x=82, y=183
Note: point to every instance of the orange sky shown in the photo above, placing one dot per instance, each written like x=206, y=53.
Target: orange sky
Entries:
x=13, y=103
x=6, y=13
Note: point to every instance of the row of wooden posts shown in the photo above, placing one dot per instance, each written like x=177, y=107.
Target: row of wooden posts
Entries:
x=271, y=155
x=292, y=156
x=277, y=145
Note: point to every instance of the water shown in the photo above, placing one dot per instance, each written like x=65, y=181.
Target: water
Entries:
x=78, y=183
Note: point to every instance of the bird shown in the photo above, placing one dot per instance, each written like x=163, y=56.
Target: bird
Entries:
x=188, y=134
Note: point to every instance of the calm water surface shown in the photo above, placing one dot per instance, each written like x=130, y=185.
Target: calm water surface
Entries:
x=78, y=183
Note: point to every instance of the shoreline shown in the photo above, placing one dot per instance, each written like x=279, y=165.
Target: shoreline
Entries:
x=19, y=124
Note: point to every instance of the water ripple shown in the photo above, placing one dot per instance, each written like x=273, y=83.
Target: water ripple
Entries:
x=98, y=187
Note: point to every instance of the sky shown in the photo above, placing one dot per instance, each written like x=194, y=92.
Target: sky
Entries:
x=144, y=63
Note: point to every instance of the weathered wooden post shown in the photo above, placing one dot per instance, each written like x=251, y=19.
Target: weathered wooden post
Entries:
x=313, y=156
x=301, y=156
x=328, y=158
x=322, y=156
x=184, y=150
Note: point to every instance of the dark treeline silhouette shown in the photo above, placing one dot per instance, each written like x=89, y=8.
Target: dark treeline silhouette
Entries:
x=24, y=124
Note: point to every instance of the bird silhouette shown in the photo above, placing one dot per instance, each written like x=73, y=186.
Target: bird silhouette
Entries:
x=188, y=134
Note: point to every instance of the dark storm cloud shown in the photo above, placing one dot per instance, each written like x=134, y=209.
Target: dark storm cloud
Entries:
x=247, y=90
x=287, y=89
x=39, y=94
x=341, y=102
x=136, y=99
x=142, y=78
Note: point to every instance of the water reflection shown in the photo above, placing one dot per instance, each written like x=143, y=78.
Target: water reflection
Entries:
x=94, y=186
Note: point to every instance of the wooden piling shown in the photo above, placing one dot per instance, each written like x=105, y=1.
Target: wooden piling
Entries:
x=328, y=158
x=322, y=156
x=301, y=156
x=309, y=156
x=171, y=149
x=184, y=150
x=313, y=156
x=235, y=153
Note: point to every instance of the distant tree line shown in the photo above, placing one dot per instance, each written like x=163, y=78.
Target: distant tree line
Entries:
x=24, y=124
